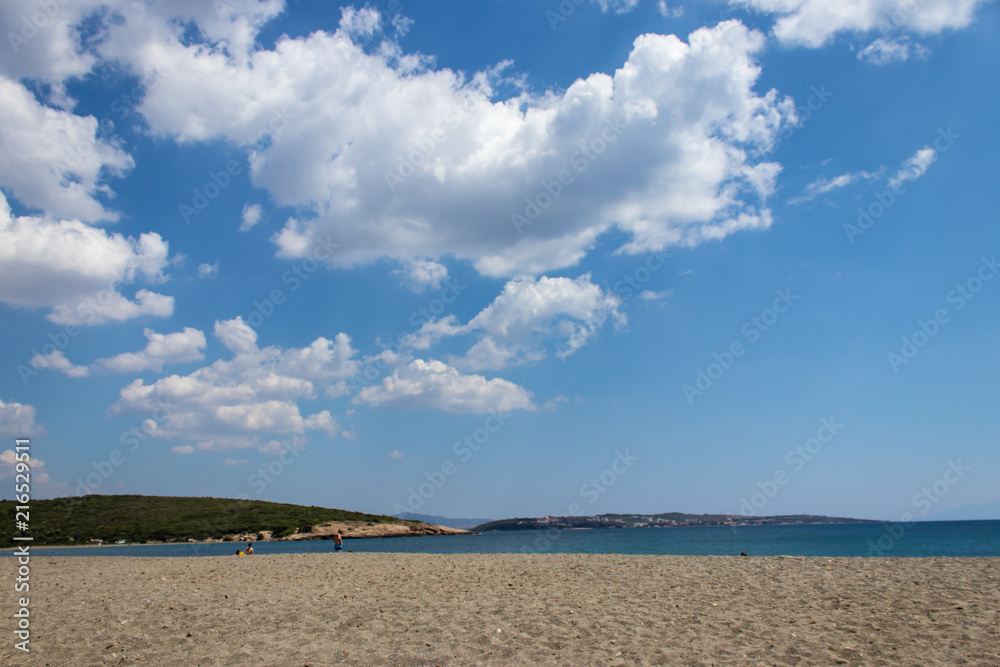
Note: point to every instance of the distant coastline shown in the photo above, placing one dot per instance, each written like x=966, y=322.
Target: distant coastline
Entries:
x=664, y=520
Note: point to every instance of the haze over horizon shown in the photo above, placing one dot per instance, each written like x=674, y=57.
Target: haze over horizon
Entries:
x=505, y=258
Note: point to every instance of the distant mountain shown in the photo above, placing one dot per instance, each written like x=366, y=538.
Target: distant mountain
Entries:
x=464, y=524
x=665, y=520
x=983, y=512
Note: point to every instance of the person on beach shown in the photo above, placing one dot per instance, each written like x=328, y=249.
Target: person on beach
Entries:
x=338, y=541
x=249, y=549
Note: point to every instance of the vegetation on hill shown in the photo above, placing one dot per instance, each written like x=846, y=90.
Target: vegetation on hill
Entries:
x=163, y=519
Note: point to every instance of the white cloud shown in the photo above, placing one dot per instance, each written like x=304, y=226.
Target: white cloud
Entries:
x=8, y=467
x=617, y=6
x=669, y=12
x=884, y=51
x=54, y=160
x=650, y=295
x=76, y=269
x=236, y=335
x=293, y=444
x=359, y=22
x=234, y=462
x=41, y=41
x=207, y=270
x=527, y=305
x=421, y=274
x=822, y=185
x=183, y=449
x=422, y=385
x=108, y=306
x=661, y=149
x=914, y=167
x=325, y=362
x=234, y=403
x=814, y=22
x=553, y=404
x=487, y=355
x=57, y=361
x=136, y=30
x=513, y=329
x=18, y=420
x=251, y=216
x=396, y=454
x=172, y=348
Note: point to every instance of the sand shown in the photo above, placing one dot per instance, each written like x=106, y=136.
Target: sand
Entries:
x=419, y=609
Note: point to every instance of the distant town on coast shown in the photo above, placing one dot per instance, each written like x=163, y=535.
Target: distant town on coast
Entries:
x=665, y=520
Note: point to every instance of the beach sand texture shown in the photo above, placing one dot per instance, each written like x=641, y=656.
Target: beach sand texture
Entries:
x=422, y=609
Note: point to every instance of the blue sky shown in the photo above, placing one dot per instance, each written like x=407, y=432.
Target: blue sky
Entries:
x=505, y=258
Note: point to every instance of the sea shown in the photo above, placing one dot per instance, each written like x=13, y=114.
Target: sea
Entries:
x=960, y=539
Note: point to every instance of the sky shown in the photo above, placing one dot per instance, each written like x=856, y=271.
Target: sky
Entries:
x=504, y=258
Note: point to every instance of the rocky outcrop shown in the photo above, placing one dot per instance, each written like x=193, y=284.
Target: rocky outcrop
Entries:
x=359, y=529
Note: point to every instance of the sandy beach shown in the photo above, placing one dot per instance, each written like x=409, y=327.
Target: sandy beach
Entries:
x=418, y=609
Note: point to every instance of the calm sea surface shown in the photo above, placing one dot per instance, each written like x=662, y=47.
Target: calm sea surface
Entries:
x=937, y=538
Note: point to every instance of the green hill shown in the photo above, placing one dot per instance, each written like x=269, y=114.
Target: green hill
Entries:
x=162, y=519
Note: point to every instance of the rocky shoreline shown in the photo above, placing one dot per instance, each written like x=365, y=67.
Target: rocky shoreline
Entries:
x=352, y=530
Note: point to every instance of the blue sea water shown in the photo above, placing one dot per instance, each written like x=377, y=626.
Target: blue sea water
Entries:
x=932, y=538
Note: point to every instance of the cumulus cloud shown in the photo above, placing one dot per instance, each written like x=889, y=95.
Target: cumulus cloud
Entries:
x=513, y=329
x=57, y=361
x=435, y=385
x=43, y=44
x=77, y=269
x=421, y=274
x=814, y=22
x=44, y=41
x=914, y=167
x=109, y=306
x=54, y=160
x=661, y=149
x=236, y=335
x=360, y=22
x=251, y=216
x=18, y=420
x=236, y=402
x=8, y=467
x=172, y=348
